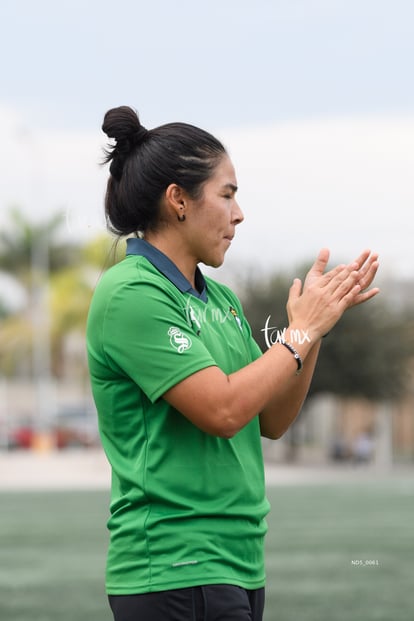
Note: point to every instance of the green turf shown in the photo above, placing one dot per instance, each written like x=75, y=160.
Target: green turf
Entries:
x=319, y=535
x=53, y=546
x=52, y=549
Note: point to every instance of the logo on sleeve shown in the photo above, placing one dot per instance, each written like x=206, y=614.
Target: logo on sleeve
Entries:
x=180, y=341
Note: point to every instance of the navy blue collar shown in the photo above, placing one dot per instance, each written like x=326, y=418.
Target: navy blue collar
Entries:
x=164, y=265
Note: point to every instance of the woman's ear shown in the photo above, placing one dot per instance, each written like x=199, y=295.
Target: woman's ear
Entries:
x=176, y=201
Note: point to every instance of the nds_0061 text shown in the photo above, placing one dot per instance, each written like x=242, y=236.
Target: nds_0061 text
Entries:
x=356, y=562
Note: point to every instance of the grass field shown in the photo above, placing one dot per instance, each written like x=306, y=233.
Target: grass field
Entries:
x=334, y=553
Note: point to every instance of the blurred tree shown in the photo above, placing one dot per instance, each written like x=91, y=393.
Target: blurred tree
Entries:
x=16, y=336
x=30, y=252
x=58, y=277
x=71, y=290
x=366, y=355
x=4, y=311
x=103, y=251
x=18, y=244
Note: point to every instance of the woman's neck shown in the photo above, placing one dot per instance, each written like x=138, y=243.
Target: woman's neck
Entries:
x=172, y=248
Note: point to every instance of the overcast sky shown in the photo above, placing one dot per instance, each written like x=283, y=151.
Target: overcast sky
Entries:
x=314, y=100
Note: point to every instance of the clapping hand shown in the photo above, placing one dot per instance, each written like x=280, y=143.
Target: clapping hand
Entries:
x=366, y=266
x=325, y=296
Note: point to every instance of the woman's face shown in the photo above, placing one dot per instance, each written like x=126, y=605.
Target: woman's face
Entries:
x=212, y=219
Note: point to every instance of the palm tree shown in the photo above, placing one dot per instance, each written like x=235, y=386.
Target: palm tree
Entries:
x=29, y=253
x=20, y=245
x=59, y=279
x=70, y=293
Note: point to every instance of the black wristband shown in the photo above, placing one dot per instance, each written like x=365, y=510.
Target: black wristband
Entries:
x=296, y=356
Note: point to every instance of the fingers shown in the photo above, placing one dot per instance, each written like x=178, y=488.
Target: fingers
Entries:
x=336, y=276
x=348, y=299
x=321, y=262
x=365, y=296
x=294, y=294
x=352, y=289
x=362, y=258
x=368, y=267
x=368, y=271
x=296, y=288
x=344, y=286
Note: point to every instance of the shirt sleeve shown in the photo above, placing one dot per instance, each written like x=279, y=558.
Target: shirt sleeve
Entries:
x=146, y=336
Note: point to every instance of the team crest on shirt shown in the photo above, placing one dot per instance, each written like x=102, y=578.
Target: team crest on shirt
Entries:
x=180, y=341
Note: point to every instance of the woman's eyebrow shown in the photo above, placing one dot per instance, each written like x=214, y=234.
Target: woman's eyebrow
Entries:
x=231, y=187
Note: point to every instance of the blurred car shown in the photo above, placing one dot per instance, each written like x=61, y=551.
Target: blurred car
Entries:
x=21, y=437
x=76, y=427
x=71, y=427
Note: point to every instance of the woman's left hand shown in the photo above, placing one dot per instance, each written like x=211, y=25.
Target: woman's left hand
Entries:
x=367, y=266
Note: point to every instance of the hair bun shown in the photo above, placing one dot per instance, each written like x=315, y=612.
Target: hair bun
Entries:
x=123, y=125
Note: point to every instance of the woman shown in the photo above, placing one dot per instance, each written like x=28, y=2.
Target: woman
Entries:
x=183, y=392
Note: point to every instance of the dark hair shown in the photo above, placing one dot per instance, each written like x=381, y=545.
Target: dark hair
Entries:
x=143, y=163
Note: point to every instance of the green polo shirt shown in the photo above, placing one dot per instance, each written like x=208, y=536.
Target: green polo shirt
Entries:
x=187, y=508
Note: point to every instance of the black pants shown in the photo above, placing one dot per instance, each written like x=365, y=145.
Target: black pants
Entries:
x=217, y=602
